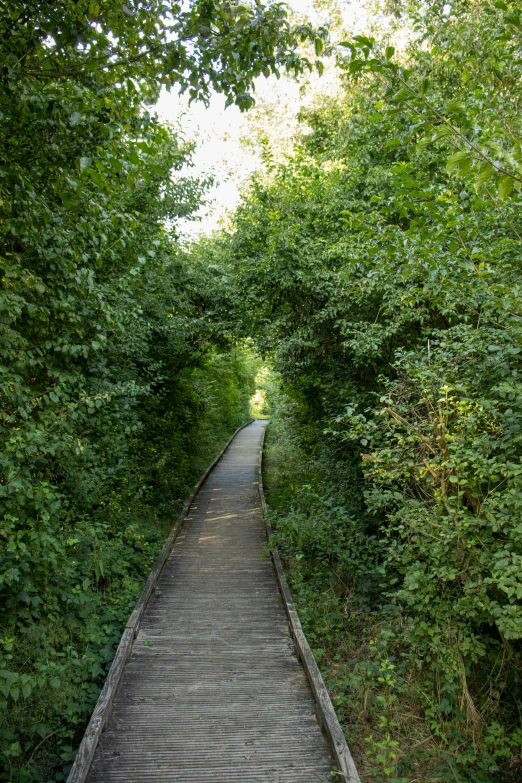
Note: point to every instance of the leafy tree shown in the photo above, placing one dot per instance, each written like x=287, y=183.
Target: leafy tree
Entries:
x=199, y=46
x=115, y=389
x=379, y=266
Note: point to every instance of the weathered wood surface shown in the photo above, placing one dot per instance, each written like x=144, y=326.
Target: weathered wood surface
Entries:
x=213, y=691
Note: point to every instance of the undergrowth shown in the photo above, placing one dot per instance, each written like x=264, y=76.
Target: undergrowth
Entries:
x=405, y=720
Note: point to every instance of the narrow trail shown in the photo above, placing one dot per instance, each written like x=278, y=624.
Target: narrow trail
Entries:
x=213, y=691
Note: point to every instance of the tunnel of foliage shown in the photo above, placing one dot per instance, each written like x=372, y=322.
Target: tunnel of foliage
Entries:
x=378, y=266
x=117, y=386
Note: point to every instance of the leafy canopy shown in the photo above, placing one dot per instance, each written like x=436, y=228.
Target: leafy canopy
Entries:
x=199, y=47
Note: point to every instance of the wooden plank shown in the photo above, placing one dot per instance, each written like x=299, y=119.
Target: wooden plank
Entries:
x=325, y=710
x=102, y=711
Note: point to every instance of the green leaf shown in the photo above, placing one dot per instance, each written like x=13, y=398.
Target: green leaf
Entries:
x=513, y=18
x=364, y=40
x=404, y=94
x=355, y=66
x=443, y=132
x=424, y=142
x=460, y=162
x=486, y=173
x=505, y=186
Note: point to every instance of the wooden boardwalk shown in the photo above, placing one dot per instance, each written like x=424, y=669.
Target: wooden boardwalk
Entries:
x=213, y=691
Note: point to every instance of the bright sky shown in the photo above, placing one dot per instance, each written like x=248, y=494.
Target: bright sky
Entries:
x=219, y=132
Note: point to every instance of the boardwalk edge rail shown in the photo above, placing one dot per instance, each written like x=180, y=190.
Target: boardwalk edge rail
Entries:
x=325, y=711
x=102, y=711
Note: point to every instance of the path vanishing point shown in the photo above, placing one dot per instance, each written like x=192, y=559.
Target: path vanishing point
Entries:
x=212, y=689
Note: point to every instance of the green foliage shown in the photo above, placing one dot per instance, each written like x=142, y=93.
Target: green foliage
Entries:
x=379, y=265
x=117, y=390
x=457, y=89
x=399, y=717
x=133, y=48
